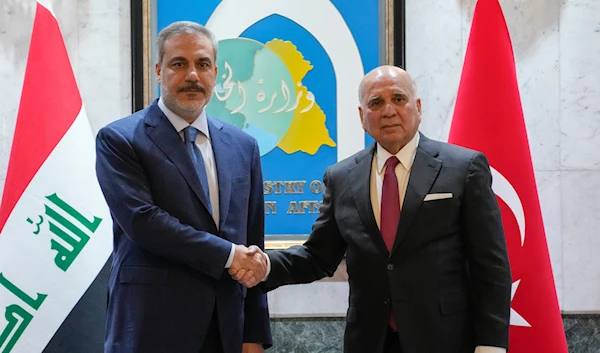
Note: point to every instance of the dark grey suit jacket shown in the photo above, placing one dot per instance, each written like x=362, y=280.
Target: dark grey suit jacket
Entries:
x=447, y=278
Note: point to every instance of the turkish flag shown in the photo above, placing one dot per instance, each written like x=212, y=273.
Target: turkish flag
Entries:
x=488, y=117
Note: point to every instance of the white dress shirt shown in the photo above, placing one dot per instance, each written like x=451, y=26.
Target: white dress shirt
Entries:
x=406, y=156
x=203, y=143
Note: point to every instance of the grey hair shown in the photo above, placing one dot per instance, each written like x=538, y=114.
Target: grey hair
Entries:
x=183, y=27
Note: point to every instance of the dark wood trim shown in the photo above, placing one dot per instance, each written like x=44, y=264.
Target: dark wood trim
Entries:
x=400, y=33
x=137, y=55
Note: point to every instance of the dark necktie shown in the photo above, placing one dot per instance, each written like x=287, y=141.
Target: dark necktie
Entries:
x=189, y=135
x=390, y=211
x=390, y=203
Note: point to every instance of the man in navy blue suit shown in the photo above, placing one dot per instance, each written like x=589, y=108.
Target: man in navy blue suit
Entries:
x=186, y=197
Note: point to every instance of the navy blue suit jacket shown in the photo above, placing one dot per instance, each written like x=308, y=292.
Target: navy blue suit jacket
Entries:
x=168, y=265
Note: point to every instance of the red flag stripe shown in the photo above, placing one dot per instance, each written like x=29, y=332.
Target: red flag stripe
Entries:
x=50, y=103
x=488, y=117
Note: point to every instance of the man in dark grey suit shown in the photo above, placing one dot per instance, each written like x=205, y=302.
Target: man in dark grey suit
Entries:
x=422, y=234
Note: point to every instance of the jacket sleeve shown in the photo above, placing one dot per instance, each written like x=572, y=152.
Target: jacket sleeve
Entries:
x=487, y=255
x=319, y=256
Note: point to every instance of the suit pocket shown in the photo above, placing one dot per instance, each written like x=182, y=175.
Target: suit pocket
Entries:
x=439, y=217
x=448, y=202
x=144, y=275
x=453, y=304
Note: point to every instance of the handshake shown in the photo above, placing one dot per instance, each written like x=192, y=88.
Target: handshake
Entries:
x=249, y=266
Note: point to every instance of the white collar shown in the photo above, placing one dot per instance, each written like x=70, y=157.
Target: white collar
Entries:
x=179, y=123
x=406, y=155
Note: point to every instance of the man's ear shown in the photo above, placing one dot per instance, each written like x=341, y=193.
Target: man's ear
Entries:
x=362, y=120
x=157, y=70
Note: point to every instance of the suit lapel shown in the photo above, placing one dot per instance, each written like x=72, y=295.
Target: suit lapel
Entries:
x=220, y=141
x=424, y=172
x=360, y=181
x=164, y=136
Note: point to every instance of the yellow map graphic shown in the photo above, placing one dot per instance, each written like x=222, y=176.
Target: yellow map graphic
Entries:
x=308, y=132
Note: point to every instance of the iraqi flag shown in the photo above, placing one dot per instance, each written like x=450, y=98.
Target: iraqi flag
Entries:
x=55, y=227
x=488, y=117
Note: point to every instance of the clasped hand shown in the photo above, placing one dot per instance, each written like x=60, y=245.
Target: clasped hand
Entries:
x=249, y=265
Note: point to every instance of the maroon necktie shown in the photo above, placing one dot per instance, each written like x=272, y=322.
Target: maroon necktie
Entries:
x=390, y=211
x=390, y=203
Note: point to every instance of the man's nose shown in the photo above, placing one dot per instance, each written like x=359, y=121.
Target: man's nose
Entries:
x=388, y=110
x=192, y=75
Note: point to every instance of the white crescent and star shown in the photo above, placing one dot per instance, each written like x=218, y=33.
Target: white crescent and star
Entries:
x=515, y=318
x=504, y=190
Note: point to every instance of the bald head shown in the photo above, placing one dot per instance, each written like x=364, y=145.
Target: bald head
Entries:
x=389, y=109
x=385, y=72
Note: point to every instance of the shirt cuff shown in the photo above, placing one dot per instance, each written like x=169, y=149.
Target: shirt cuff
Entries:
x=489, y=349
x=231, y=255
x=269, y=268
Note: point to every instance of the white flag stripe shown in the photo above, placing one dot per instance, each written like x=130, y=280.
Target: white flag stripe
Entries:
x=28, y=261
x=47, y=4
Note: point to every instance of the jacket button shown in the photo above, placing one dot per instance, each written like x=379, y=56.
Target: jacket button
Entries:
x=390, y=267
x=386, y=301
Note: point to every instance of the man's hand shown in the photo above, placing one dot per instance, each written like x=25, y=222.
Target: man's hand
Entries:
x=252, y=348
x=249, y=265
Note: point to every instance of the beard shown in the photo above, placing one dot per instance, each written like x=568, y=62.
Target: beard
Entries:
x=184, y=107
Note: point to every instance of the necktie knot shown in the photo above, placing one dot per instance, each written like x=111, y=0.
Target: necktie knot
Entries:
x=392, y=162
x=189, y=134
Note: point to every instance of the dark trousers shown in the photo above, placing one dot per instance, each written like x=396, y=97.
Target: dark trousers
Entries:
x=392, y=342
x=212, y=342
